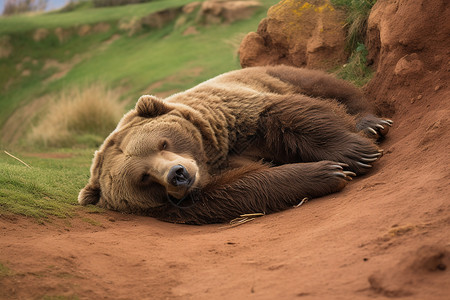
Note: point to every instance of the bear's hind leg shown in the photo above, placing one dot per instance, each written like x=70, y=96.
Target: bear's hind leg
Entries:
x=303, y=129
x=318, y=84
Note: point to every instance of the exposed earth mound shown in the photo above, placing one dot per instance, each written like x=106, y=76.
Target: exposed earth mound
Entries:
x=299, y=33
x=385, y=235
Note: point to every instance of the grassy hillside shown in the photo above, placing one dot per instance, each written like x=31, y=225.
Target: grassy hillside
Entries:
x=84, y=15
x=51, y=55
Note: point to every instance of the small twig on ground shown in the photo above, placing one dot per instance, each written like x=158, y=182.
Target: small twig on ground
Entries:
x=18, y=159
x=304, y=200
x=244, y=219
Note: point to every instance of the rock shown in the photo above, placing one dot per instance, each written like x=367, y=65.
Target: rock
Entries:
x=101, y=27
x=62, y=34
x=191, y=7
x=40, y=34
x=223, y=11
x=84, y=30
x=154, y=20
x=191, y=30
x=409, y=64
x=5, y=46
x=253, y=51
x=160, y=18
x=299, y=33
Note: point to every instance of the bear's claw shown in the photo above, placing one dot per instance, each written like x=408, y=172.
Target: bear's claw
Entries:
x=374, y=126
x=347, y=175
x=371, y=130
x=363, y=165
x=375, y=155
x=387, y=122
x=368, y=160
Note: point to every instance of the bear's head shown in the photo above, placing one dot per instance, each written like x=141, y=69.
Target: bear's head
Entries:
x=154, y=155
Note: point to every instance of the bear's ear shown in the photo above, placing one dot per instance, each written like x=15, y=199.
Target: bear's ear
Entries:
x=151, y=106
x=89, y=195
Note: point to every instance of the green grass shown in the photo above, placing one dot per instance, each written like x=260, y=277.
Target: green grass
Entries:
x=90, y=15
x=357, y=14
x=49, y=188
x=5, y=271
x=32, y=56
x=356, y=70
x=149, y=60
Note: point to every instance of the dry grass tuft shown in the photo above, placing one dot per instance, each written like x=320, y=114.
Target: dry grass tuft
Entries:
x=244, y=219
x=79, y=117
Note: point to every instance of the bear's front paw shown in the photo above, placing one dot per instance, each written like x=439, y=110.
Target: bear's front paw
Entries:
x=332, y=174
x=373, y=126
x=360, y=154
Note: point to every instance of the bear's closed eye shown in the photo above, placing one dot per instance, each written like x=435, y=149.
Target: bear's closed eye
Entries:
x=163, y=145
x=145, y=178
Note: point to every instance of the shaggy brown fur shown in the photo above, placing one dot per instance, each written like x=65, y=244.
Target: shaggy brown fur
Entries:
x=254, y=140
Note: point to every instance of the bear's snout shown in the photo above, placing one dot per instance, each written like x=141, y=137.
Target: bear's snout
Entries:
x=178, y=176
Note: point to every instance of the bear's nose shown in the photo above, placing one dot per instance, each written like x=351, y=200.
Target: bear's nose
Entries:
x=178, y=176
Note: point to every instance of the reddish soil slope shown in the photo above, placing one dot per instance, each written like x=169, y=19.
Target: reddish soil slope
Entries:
x=385, y=235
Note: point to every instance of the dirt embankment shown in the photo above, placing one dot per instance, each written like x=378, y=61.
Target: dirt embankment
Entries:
x=385, y=235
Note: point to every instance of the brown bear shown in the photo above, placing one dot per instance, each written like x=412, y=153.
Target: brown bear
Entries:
x=253, y=140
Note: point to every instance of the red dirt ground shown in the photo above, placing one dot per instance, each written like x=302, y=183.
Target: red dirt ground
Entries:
x=385, y=235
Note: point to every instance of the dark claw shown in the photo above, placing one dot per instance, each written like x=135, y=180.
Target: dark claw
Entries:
x=363, y=165
x=369, y=159
x=377, y=155
x=340, y=174
x=387, y=122
x=349, y=173
x=337, y=167
x=371, y=130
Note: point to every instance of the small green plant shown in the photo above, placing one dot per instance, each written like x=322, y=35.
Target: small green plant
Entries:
x=4, y=270
x=356, y=70
x=357, y=14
